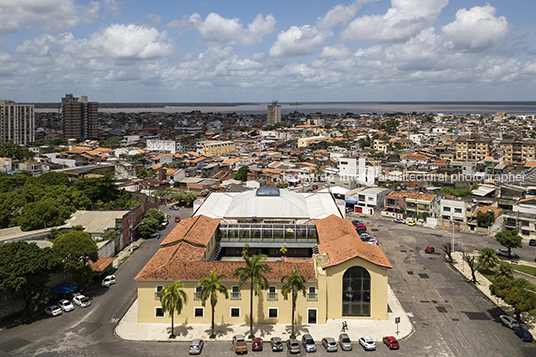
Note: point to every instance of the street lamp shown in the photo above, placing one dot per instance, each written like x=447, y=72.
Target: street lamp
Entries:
x=452, y=248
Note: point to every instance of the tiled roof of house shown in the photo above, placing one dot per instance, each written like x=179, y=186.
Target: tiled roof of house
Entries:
x=485, y=209
x=340, y=241
x=197, y=230
x=413, y=195
x=101, y=263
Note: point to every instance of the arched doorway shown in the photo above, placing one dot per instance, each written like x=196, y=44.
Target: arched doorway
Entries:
x=356, y=292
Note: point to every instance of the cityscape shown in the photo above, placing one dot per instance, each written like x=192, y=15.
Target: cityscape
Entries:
x=221, y=179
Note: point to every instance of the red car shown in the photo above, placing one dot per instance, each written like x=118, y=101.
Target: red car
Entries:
x=391, y=342
x=361, y=226
x=257, y=344
x=177, y=219
x=429, y=249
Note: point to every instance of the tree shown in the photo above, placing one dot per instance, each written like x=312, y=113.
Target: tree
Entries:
x=504, y=269
x=485, y=219
x=158, y=215
x=471, y=261
x=487, y=258
x=253, y=271
x=173, y=299
x=210, y=287
x=242, y=173
x=190, y=197
x=295, y=283
x=24, y=272
x=76, y=249
x=509, y=240
x=513, y=292
x=447, y=249
x=112, y=143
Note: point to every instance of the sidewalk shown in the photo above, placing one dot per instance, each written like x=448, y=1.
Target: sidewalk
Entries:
x=126, y=252
x=483, y=285
x=129, y=329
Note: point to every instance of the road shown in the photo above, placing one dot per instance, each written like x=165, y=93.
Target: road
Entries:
x=451, y=317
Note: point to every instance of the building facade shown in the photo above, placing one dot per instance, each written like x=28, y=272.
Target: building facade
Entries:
x=17, y=123
x=472, y=149
x=79, y=117
x=518, y=150
x=215, y=148
x=274, y=113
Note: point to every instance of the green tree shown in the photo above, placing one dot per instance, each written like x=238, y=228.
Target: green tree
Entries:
x=487, y=258
x=147, y=226
x=253, y=271
x=15, y=152
x=513, y=292
x=158, y=215
x=173, y=299
x=177, y=196
x=293, y=284
x=509, y=239
x=210, y=287
x=24, y=272
x=98, y=188
x=190, y=197
x=76, y=249
x=242, y=173
x=504, y=269
x=112, y=143
x=485, y=219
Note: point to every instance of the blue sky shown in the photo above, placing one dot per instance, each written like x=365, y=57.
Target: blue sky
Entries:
x=252, y=51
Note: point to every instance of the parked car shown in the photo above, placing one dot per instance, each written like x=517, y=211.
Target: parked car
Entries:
x=367, y=343
x=293, y=346
x=239, y=344
x=195, y=347
x=523, y=334
x=349, y=209
x=257, y=344
x=53, y=310
x=532, y=242
x=165, y=222
x=155, y=235
x=364, y=235
x=65, y=305
x=509, y=321
x=81, y=301
x=399, y=220
x=391, y=342
x=177, y=219
x=329, y=344
x=360, y=231
x=344, y=341
x=361, y=226
x=429, y=250
x=504, y=253
x=276, y=343
x=355, y=222
x=174, y=207
x=308, y=343
x=109, y=280
x=411, y=222
x=372, y=241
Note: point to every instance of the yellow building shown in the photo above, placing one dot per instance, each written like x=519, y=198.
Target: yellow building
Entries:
x=217, y=148
x=472, y=149
x=380, y=145
x=518, y=150
x=304, y=142
x=347, y=278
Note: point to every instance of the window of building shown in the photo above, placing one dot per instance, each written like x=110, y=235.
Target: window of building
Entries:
x=311, y=293
x=158, y=312
x=457, y=210
x=199, y=312
x=235, y=312
x=446, y=209
x=197, y=294
x=272, y=293
x=356, y=292
x=273, y=312
x=235, y=293
x=157, y=292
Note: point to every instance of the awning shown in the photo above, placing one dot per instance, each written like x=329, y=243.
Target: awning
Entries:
x=350, y=202
x=64, y=288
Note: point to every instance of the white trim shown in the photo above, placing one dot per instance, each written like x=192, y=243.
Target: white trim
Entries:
x=277, y=311
x=231, y=312
x=163, y=313
x=202, y=309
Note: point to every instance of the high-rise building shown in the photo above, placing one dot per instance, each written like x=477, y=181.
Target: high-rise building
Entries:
x=274, y=113
x=17, y=122
x=79, y=117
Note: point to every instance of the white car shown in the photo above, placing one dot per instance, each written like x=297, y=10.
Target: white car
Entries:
x=53, y=310
x=399, y=220
x=367, y=343
x=81, y=301
x=109, y=280
x=66, y=305
x=509, y=321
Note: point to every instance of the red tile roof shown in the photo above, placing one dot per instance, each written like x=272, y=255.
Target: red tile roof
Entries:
x=197, y=230
x=101, y=263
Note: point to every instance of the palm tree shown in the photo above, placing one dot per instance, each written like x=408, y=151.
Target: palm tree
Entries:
x=504, y=269
x=295, y=283
x=210, y=287
x=254, y=271
x=488, y=258
x=173, y=298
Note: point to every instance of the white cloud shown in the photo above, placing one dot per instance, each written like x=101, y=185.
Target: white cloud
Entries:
x=403, y=20
x=298, y=41
x=475, y=29
x=217, y=30
x=340, y=15
x=49, y=15
x=338, y=51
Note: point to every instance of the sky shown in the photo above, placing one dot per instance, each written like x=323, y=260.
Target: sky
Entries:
x=259, y=51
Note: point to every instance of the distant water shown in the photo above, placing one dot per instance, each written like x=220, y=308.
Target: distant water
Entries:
x=333, y=108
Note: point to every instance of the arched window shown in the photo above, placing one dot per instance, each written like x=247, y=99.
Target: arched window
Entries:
x=356, y=292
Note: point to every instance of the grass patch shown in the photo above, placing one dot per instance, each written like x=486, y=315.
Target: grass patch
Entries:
x=524, y=269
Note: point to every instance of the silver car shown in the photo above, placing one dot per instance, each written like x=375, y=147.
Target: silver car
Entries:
x=329, y=344
x=276, y=343
x=195, y=347
x=509, y=321
x=367, y=343
x=308, y=343
x=66, y=305
x=344, y=341
x=293, y=346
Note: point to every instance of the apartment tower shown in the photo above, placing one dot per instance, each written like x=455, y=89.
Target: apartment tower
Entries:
x=79, y=117
x=17, y=122
x=274, y=113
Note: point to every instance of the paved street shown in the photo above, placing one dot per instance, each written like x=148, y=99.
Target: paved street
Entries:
x=451, y=318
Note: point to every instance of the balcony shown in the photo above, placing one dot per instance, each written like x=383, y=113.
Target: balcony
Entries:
x=197, y=296
x=272, y=296
x=235, y=296
x=157, y=295
x=312, y=297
